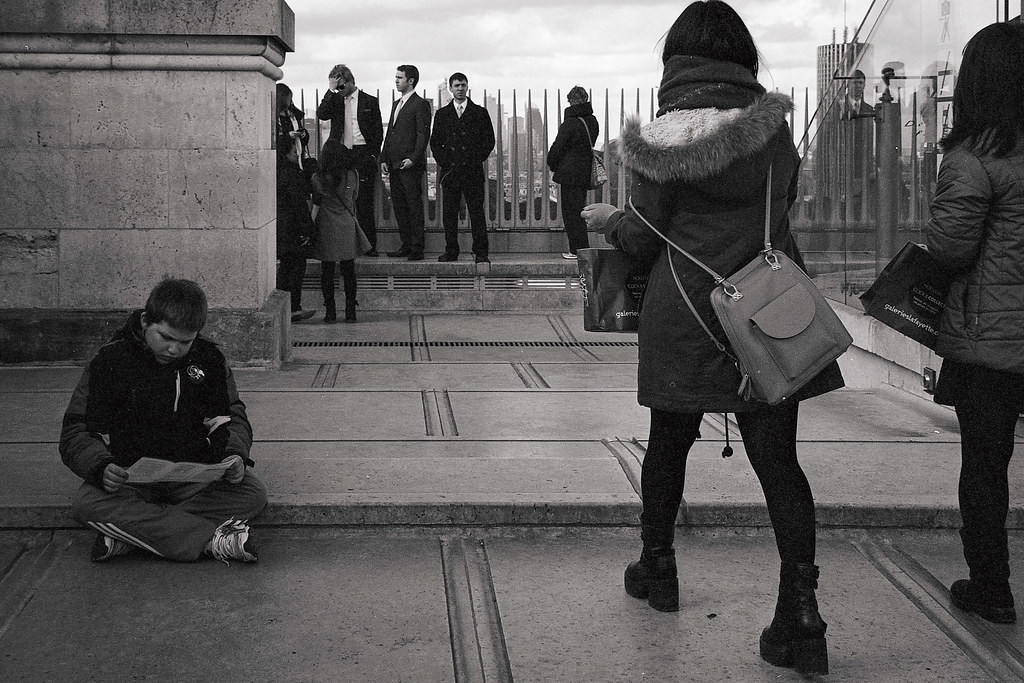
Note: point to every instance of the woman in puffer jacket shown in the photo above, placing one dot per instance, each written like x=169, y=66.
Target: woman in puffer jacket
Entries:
x=698, y=174
x=977, y=229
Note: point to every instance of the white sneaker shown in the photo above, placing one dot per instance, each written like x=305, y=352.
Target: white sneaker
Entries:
x=107, y=547
x=569, y=255
x=231, y=541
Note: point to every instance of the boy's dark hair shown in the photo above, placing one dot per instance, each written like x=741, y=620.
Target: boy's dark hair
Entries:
x=179, y=303
x=457, y=76
x=711, y=29
x=988, y=99
x=411, y=73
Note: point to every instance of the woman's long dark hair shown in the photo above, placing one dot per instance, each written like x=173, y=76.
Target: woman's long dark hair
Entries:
x=988, y=100
x=712, y=29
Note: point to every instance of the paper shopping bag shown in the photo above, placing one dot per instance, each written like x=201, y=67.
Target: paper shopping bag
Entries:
x=909, y=294
x=613, y=290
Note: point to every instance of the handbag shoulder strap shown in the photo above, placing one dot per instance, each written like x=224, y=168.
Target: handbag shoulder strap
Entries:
x=719, y=280
x=584, y=122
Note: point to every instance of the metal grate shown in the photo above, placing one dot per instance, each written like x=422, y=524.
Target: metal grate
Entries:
x=423, y=283
x=504, y=344
x=368, y=282
x=513, y=282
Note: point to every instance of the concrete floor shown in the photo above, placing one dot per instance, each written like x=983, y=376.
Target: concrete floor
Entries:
x=334, y=604
x=448, y=504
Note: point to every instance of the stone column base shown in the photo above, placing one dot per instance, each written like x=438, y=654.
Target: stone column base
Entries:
x=247, y=337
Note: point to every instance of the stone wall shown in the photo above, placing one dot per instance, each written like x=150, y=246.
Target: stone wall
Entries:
x=137, y=142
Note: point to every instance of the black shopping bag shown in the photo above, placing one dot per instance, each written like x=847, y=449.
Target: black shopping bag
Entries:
x=613, y=290
x=909, y=294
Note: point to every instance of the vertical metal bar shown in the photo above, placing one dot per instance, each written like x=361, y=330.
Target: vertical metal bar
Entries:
x=487, y=178
x=847, y=152
x=514, y=170
x=558, y=115
x=528, y=120
x=499, y=186
x=915, y=184
x=545, y=174
x=888, y=180
x=807, y=120
x=792, y=114
x=425, y=184
x=616, y=180
x=319, y=125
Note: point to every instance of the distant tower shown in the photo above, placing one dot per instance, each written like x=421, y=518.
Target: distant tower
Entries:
x=834, y=150
x=838, y=59
x=444, y=96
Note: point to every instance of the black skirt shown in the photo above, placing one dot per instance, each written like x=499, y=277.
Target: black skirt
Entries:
x=974, y=384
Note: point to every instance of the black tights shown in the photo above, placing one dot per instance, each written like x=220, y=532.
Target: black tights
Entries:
x=769, y=436
x=348, y=277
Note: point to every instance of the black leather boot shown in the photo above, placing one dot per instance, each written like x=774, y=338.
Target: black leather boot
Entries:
x=327, y=289
x=990, y=601
x=796, y=636
x=654, y=578
x=350, y=309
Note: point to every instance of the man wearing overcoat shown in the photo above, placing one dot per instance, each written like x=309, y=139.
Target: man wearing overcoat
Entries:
x=461, y=141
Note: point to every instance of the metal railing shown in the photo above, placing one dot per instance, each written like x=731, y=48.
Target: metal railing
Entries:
x=519, y=194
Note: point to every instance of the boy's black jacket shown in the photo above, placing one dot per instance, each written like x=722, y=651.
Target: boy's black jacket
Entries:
x=146, y=409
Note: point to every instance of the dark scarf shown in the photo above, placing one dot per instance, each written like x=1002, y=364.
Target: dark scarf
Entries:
x=698, y=83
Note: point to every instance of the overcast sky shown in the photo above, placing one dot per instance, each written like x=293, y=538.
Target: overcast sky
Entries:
x=538, y=44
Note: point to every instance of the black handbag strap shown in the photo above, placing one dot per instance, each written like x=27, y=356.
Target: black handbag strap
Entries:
x=719, y=280
x=584, y=122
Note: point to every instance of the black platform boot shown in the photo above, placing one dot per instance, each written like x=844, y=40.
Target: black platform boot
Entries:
x=796, y=636
x=654, y=578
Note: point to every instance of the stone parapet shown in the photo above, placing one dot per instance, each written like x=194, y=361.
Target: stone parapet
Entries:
x=272, y=18
x=247, y=337
x=138, y=142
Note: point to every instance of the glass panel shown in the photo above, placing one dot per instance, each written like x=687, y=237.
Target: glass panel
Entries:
x=870, y=150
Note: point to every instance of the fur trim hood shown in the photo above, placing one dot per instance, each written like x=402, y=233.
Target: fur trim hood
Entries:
x=696, y=144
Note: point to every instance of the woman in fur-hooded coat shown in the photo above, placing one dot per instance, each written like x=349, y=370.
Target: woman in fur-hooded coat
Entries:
x=698, y=174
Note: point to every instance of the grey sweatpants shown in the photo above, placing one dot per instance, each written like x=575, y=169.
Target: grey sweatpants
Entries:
x=174, y=521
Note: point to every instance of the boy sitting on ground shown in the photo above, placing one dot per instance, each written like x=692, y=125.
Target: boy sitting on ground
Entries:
x=158, y=390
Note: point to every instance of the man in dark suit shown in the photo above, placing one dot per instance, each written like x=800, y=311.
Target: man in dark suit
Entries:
x=461, y=141
x=404, y=160
x=858, y=143
x=357, y=130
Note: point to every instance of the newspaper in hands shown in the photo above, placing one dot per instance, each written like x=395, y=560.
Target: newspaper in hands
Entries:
x=153, y=471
